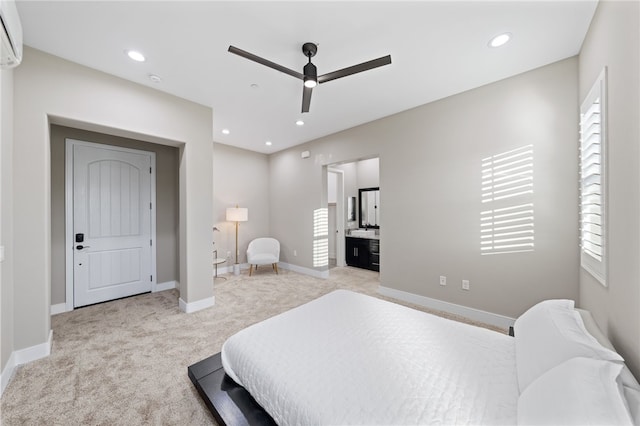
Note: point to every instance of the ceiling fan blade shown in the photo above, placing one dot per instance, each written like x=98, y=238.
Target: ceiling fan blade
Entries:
x=365, y=66
x=306, y=98
x=265, y=62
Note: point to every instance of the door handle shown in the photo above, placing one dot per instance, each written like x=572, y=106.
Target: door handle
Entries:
x=80, y=247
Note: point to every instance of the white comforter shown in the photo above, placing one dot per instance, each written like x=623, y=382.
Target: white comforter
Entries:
x=347, y=358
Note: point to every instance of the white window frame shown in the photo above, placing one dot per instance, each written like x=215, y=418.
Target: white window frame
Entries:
x=595, y=264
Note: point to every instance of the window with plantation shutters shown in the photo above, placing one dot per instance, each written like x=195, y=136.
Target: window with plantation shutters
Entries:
x=593, y=181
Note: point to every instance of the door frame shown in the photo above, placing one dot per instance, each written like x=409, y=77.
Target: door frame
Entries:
x=68, y=212
x=340, y=215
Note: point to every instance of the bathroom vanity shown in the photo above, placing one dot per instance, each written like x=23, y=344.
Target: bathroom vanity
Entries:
x=363, y=250
x=362, y=247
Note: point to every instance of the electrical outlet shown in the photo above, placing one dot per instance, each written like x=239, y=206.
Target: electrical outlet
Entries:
x=295, y=252
x=465, y=284
x=443, y=280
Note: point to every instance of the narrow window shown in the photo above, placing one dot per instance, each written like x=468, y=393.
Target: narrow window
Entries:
x=593, y=222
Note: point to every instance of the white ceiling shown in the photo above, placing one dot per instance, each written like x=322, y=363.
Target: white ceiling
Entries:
x=437, y=49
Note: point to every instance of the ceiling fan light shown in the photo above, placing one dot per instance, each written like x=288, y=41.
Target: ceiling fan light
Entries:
x=310, y=75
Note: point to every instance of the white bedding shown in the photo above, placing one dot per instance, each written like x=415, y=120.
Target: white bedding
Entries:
x=347, y=358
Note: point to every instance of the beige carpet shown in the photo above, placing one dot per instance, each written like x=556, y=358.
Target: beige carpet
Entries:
x=125, y=362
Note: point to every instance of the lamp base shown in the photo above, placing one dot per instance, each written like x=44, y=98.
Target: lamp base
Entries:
x=236, y=269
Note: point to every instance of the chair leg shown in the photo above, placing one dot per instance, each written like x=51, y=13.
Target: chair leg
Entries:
x=275, y=266
x=250, y=269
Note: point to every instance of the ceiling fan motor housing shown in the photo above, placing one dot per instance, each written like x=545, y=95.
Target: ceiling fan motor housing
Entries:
x=309, y=49
x=310, y=70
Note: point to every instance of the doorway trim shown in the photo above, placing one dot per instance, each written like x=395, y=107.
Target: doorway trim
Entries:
x=340, y=215
x=68, y=212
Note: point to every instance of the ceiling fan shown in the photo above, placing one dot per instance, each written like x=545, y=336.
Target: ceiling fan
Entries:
x=309, y=74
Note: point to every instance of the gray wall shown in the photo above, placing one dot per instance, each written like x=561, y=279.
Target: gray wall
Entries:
x=6, y=216
x=368, y=173
x=613, y=40
x=50, y=90
x=430, y=181
x=166, y=204
x=239, y=177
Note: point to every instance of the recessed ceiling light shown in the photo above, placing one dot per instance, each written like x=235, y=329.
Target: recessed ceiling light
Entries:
x=155, y=78
x=500, y=40
x=268, y=143
x=225, y=131
x=299, y=123
x=254, y=86
x=136, y=56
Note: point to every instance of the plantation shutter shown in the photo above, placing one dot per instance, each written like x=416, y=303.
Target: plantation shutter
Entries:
x=593, y=182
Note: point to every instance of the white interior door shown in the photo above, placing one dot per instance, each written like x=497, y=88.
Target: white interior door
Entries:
x=112, y=226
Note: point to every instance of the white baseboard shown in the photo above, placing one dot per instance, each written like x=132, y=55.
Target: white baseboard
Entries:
x=58, y=308
x=196, y=306
x=281, y=265
x=229, y=269
x=61, y=308
x=306, y=271
x=7, y=373
x=34, y=352
x=452, y=308
x=24, y=356
x=224, y=269
x=164, y=286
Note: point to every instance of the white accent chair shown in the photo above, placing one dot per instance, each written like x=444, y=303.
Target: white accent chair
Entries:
x=263, y=251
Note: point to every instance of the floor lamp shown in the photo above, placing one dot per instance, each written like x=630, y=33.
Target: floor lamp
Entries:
x=237, y=214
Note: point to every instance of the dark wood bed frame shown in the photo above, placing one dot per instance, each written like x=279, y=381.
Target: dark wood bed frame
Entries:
x=229, y=402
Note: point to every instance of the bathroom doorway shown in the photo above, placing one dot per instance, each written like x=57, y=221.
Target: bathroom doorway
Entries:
x=344, y=180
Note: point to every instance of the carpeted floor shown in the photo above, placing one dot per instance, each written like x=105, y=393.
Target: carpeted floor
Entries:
x=125, y=362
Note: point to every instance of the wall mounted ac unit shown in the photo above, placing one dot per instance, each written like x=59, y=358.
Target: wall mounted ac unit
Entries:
x=10, y=35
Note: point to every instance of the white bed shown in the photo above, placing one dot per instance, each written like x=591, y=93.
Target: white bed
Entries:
x=391, y=365
x=347, y=358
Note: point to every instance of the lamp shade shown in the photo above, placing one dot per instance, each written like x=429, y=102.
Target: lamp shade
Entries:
x=237, y=214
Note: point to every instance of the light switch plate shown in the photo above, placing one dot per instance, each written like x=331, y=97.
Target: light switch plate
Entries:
x=1, y=253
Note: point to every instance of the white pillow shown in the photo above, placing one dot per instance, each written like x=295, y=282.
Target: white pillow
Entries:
x=630, y=386
x=632, y=396
x=550, y=333
x=593, y=329
x=580, y=391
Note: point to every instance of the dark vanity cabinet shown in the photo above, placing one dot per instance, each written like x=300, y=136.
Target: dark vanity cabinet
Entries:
x=363, y=253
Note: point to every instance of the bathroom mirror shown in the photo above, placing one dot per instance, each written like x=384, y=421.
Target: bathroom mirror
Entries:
x=369, y=207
